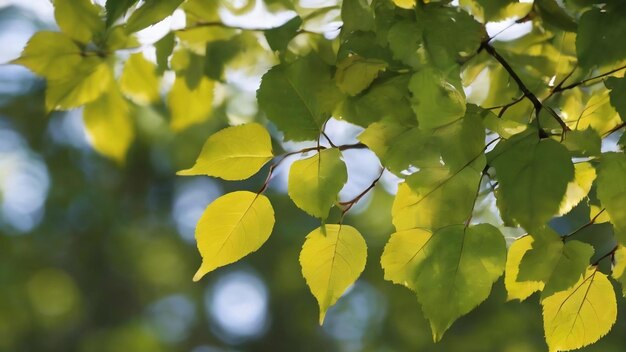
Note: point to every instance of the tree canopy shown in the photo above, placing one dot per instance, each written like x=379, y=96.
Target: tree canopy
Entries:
x=493, y=142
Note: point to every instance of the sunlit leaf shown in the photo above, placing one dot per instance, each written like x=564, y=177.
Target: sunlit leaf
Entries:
x=190, y=106
x=109, y=125
x=436, y=101
x=151, y=12
x=403, y=253
x=315, y=182
x=80, y=19
x=53, y=55
x=577, y=190
x=519, y=289
x=581, y=315
x=612, y=190
x=234, y=153
x=91, y=77
x=332, y=259
x=354, y=73
x=619, y=269
x=233, y=226
x=139, y=80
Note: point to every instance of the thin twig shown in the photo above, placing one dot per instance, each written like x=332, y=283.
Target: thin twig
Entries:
x=348, y=204
x=609, y=254
x=591, y=222
x=576, y=84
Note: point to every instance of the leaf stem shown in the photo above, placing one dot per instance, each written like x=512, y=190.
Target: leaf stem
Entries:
x=576, y=84
x=348, y=204
x=591, y=222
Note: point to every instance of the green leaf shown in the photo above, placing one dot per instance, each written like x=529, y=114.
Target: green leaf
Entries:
x=332, y=259
x=218, y=54
x=234, y=153
x=436, y=101
x=461, y=265
x=80, y=19
x=298, y=97
x=164, y=48
x=278, y=38
x=52, y=55
x=109, y=125
x=388, y=99
x=515, y=288
x=190, y=106
x=583, y=143
x=612, y=191
x=357, y=15
x=496, y=10
x=581, y=315
x=619, y=267
x=116, y=38
x=233, y=226
x=90, y=78
x=558, y=265
x=116, y=9
x=139, y=80
x=532, y=175
x=403, y=253
x=315, y=182
x=618, y=94
x=151, y=12
x=555, y=15
x=598, y=31
x=578, y=189
x=354, y=73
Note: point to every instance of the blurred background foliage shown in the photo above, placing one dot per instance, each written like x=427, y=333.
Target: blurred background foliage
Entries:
x=98, y=257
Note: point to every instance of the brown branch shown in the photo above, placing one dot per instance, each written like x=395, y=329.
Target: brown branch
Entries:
x=305, y=150
x=609, y=254
x=591, y=222
x=614, y=129
x=527, y=93
x=348, y=204
x=576, y=84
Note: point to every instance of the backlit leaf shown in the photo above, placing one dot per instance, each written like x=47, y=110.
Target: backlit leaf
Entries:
x=612, y=190
x=139, y=80
x=315, y=182
x=151, y=12
x=533, y=175
x=436, y=101
x=90, y=78
x=519, y=289
x=109, y=125
x=234, y=153
x=332, y=260
x=80, y=19
x=577, y=190
x=52, y=55
x=190, y=106
x=403, y=253
x=355, y=74
x=233, y=226
x=461, y=265
x=581, y=315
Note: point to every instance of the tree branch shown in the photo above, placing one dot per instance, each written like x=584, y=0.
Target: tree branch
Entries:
x=527, y=93
x=576, y=84
x=348, y=204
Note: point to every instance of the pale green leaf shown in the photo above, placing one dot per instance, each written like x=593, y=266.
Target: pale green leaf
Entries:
x=190, y=106
x=612, y=191
x=139, y=80
x=581, y=315
x=532, y=176
x=298, y=97
x=519, y=289
x=80, y=19
x=90, y=78
x=403, y=253
x=461, y=265
x=151, y=12
x=357, y=15
x=315, y=182
x=233, y=226
x=583, y=143
x=332, y=259
x=52, y=55
x=109, y=125
x=354, y=73
x=435, y=100
x=234, y=153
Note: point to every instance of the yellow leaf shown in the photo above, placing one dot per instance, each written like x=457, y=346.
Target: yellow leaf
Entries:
x=52, y=55
x=516, y=289
x=80, y=19
x=109, y=125
x=577, y=190
x=234, y=153
x=90, y=79
x=233, y=226
x=594, y=212
x=187, y=106
x=580, y=315
x=354, y=73
x=402, y=254
x=332, y=259
x=405, y=4
x=139, y=80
